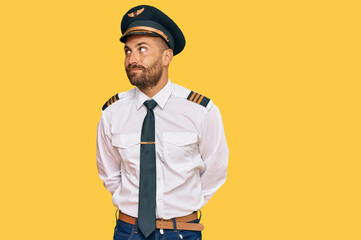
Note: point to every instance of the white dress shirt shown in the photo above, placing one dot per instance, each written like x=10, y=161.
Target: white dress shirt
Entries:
x=191, y=151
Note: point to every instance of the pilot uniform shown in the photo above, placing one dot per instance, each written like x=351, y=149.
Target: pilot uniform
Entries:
x=191, y=154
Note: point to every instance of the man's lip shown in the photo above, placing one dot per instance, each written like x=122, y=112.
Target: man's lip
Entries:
x=135, y=69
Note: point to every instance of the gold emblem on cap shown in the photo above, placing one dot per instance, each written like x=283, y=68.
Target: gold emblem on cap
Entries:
x=135, y=13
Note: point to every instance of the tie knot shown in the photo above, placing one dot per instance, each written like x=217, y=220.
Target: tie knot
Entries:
x=150, y=104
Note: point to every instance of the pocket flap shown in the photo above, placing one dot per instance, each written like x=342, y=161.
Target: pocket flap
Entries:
x=126, y=140
x=180, y=138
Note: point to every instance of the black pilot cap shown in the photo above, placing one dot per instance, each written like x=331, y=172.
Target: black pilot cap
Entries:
x=149, y=20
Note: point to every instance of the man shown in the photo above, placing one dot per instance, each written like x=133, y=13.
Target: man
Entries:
x=161, y=148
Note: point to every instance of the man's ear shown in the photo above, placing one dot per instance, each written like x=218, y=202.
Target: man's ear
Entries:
x=167, y=57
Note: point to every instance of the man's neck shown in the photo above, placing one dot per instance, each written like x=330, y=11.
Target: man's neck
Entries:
x=150, y=92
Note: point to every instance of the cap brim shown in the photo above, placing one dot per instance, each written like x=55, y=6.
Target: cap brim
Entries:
x=124, y=37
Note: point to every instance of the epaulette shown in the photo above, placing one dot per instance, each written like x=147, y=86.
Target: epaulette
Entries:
x=110, y=101
x=198, y=98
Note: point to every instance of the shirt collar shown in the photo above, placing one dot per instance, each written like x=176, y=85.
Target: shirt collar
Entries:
x=161, y=97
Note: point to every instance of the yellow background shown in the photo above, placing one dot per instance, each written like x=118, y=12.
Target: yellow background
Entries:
x=285, y=74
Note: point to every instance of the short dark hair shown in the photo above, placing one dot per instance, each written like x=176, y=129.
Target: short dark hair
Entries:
x=162, y=44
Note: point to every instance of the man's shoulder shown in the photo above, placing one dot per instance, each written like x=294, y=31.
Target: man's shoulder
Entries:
x=192, y=96
x=119, y=97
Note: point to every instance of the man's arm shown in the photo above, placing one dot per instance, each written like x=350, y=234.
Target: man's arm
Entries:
x=108, y=158
x=214, y=152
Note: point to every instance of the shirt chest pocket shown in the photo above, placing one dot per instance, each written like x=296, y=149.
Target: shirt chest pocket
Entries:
x=128, y=146
x=180, y=149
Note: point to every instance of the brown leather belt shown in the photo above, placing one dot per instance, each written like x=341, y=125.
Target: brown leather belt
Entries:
x=182, y=223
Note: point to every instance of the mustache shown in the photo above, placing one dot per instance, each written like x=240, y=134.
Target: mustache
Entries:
x=130, y=67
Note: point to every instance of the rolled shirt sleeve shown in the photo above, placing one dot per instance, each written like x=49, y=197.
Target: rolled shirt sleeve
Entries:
x=108, y=159
x=214, y=152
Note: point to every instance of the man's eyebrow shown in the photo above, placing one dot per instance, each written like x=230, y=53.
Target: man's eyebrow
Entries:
x=139, y=44
x=142, y=43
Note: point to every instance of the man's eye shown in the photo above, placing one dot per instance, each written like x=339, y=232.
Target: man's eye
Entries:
x=142, y=49
x=127, y=51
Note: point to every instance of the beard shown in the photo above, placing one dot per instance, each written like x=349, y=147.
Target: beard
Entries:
x=147, y=77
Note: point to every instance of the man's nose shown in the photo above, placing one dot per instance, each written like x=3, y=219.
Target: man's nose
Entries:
x=133, y=57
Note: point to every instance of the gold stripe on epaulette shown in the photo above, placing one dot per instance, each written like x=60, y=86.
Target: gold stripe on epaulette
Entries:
x=196, y=98
x=191, y=98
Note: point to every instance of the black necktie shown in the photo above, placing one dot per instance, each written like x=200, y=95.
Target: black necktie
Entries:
x=147, y=182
